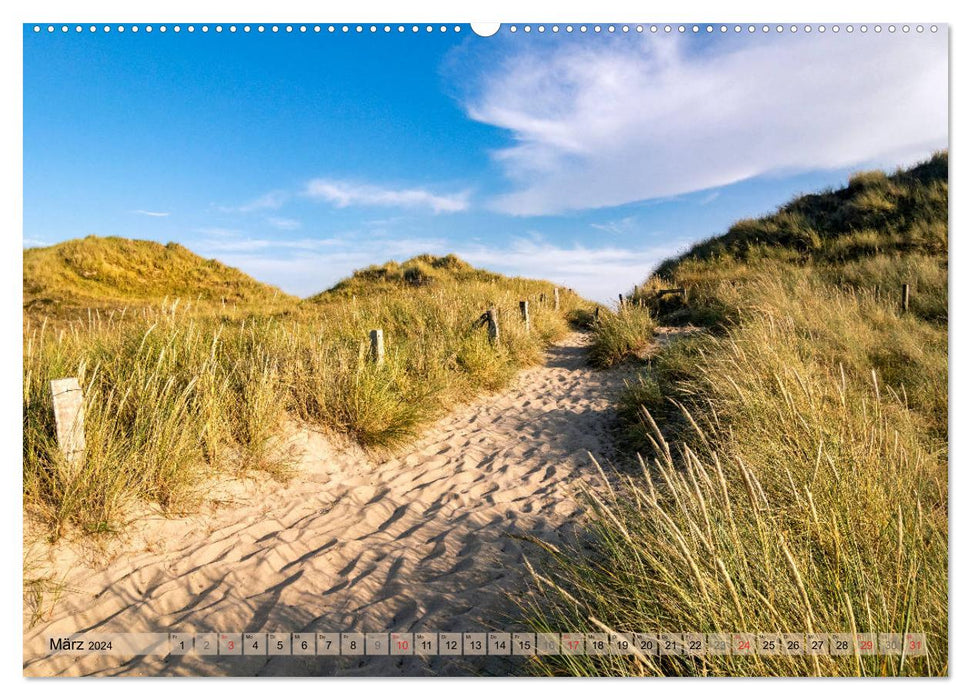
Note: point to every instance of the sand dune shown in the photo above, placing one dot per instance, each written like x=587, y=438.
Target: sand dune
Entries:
x=424, y=541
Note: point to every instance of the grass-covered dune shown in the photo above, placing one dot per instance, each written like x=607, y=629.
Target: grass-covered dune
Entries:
x=795, y=454
x=101, y=273
x=420, y=271
x=175, y=397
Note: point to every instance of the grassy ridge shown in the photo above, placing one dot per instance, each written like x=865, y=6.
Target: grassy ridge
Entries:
x=795, y=457
x=96, y=272
x=420, y=271
x=175, y=397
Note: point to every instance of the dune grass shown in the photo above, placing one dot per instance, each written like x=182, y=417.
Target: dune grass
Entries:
x=176, y=397
x=620, y=335
x=794, y=458
x=110, y=272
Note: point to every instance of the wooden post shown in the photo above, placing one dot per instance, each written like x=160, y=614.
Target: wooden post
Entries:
x=596, y=313
x=542, y=299
x=524, y=310
x=620, y=303
x=377, y=346
x=68, y=402
x=905, y=298
x=556, y=298
x=492, y=318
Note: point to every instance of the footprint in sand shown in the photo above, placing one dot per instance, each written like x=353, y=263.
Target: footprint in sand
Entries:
x=420, y=543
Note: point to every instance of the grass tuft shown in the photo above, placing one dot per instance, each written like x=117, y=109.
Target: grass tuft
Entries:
x=794, y=458
x=177, y=394
x=621, y=335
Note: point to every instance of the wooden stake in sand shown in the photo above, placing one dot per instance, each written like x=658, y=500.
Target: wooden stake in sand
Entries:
x=68, y=402
x=492, y=318
x=377, y=346
x=556, y=298
x=621, y=300
x=524, y=311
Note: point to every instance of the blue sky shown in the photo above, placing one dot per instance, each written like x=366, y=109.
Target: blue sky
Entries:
x=581, y=158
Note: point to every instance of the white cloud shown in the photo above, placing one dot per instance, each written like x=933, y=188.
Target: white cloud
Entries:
x=35, y=243
x=609, y=121
x=244, y=245
x=622, y=226
x=283, y=224
x=270, y=200
x=143, y=212
x=307, y=266
x=345, y=194
x=301, y=267
x=302, y=275
x=599, y=274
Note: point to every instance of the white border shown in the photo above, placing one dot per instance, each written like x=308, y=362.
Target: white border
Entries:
x=418, y=11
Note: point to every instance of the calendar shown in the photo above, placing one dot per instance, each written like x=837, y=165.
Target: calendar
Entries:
x=352, y=644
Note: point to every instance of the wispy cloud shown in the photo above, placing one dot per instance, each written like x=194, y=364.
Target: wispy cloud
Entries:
x=603, y=121
x=283, y=224
x=621, y=227
x=34, y=243
x=306, y=266
x=709, y=198
x=344, y=194
x=241, y=245
x=144, y=212
x=596, y=273
x=270, y=200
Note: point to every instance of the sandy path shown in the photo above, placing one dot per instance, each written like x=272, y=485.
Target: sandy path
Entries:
x=415, y=543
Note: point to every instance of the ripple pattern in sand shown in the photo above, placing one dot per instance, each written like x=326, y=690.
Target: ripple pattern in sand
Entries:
x=424, y=541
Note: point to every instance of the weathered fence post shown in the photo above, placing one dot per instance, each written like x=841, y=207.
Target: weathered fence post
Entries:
x=492, y=318
x=905, y=298
x=596, y=313
x=620, y=303
x=377, y=346
x=556, y=298
x=68, y=402
x=524, y=310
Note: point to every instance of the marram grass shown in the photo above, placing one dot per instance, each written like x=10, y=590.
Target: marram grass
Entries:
x=821, y=508
x=178, y=394
x=793, y=461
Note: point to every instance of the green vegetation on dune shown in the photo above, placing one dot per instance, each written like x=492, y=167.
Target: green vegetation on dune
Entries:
x=795, y=456
x=174, y=398
x=878, y=231
x=620, y=335
x=420, y=271
x=96, y=272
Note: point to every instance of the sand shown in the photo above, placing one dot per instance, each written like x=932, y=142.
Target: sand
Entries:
x=423, y=541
